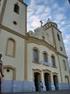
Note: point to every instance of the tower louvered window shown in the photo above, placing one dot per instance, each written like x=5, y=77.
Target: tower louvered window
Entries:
x=16, y=8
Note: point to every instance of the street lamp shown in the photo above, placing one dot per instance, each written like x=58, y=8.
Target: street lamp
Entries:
x=1, y=71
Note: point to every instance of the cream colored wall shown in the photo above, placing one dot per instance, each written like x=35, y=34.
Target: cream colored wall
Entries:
x=10, y=16
x=1, y=3
x=16, y=62
x=48, y=34
x=29, y=63
x=40, y=66
x=8, y=75
x=59, y=43
x=64, y=72
x=61, y=58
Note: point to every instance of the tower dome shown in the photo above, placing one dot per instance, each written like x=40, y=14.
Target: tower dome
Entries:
x=50, y=23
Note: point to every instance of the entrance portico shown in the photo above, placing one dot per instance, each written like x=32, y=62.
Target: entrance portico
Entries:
x=50, y=80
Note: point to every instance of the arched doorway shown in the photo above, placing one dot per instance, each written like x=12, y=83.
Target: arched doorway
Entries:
x=37, y=78
x=55, y=80
x=47, y=80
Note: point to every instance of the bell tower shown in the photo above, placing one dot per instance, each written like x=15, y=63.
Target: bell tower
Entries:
x=13, y=26
x=14, y=16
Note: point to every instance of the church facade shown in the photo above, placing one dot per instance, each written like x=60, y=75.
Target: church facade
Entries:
x=30, y=57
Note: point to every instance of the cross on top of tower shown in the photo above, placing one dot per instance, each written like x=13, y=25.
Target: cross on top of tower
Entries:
x=41, y=23
x=48, y=20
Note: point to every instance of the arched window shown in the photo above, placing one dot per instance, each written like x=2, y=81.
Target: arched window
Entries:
x=45, y=57
x=53, y=61
x=64, y=65
x=16, y=8
x=35, y=55
x=11, y=47
x=58, y=37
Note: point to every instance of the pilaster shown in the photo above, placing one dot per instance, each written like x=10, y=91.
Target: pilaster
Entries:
x=52, y=83
x=42, y=78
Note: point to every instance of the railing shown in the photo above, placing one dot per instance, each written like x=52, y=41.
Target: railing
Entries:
x=45, y=63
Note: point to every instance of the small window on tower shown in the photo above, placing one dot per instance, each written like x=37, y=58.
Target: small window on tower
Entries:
x=16, y=8
x=64, y=65
x=14, y=22
x=58, y=37
x=61, y=48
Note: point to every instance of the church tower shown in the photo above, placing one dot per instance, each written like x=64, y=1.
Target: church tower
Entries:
x=30, y=57
x=13, y=15
x=13, y=25
x=61, y=53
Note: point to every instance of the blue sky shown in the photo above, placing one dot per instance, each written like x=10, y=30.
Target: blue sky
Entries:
x=57, y=10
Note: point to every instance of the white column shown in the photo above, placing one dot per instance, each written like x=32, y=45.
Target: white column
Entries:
x=42, y=78
x=52, y=83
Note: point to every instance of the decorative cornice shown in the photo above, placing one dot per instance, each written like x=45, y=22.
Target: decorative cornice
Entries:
x=35, y=40
x=51, y=27
x=12, y=31
x=22, y=2
x=31, y=39
x=62, y=54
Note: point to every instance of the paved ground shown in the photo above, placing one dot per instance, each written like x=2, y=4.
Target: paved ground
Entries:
x=48, y=92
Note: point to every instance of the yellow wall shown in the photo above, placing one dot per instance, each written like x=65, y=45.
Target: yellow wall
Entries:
x=32, y=66
x=10, y=16
x=16, y=62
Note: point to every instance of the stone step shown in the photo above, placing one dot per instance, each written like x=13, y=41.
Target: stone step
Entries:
x=48, y=92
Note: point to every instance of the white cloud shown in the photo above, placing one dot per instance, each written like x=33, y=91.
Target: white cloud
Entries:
x=35, y=22
x=67, y=44
x=44, y=9
x=37, y=12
